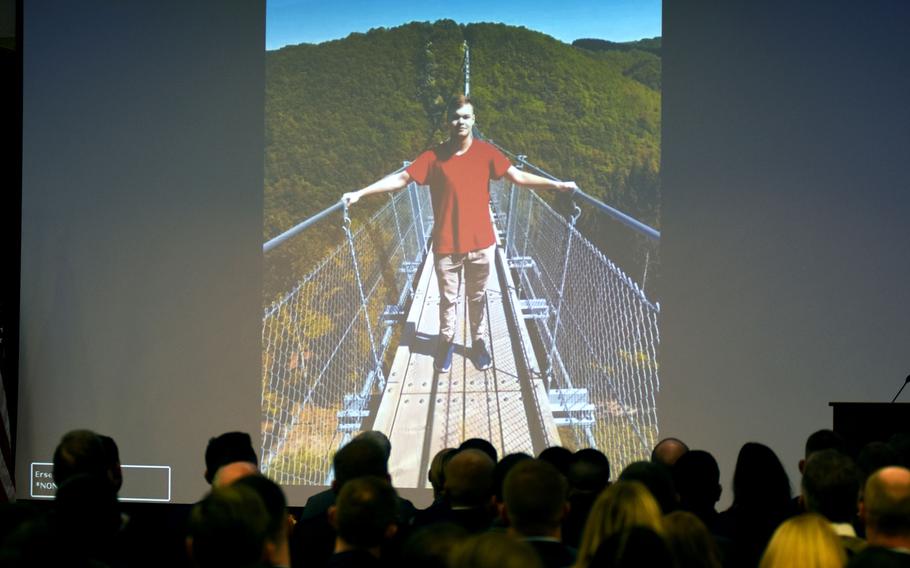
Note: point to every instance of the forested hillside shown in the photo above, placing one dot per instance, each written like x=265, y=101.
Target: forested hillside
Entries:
x=342, y=113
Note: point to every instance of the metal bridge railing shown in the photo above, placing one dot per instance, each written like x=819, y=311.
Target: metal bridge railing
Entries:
x=325, y=340
x=597, y=330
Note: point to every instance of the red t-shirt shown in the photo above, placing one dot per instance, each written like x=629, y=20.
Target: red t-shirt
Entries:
x=460, y=191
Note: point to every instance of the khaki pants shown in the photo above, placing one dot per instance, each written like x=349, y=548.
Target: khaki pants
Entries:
x=476, y=266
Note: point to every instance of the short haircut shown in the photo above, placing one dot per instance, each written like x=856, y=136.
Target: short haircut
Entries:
x=535, y=497
x=228, y=528
x=365, y=508
x=559, y=457
x=502, y=469
x=482, y=445
x=831, y=483
x=494, y=550
x=379, y=438
x=469, y=478
x=274, y=500
x=458, y=101
x=656, y=477
x=697, y=479
x=228, y=448
x=79, y=452
x=590, y=471
x=358, y=458
x=690, y=541
x=825, y=440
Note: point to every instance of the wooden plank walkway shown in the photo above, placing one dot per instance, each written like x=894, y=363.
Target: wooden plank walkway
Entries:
x=423, y=411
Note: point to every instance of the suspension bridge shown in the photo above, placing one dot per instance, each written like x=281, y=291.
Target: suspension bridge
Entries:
x=349, y=347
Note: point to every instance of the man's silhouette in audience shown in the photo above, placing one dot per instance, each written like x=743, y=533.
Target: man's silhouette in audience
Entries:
x=277, y=551
x=313, y=538
x=468, y=491
x=885, y=509
x=830, y=487
x=535, y=505
x=697, y=479
x=365, y=518
x=228, y=448
x=589, y=475
x=228, y=528
x=668, y=450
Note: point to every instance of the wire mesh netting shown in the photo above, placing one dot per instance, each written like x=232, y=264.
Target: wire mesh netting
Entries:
x=325, y=340
x=596, y=330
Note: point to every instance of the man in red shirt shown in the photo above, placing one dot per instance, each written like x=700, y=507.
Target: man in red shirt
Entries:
x=458, y=172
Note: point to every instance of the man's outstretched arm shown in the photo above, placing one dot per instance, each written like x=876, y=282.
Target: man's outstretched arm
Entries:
x=535, y=181
x=389, y=183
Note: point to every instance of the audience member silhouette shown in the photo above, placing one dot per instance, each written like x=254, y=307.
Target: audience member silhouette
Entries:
x=689, y=541
x=667, y=451
x=482, y=445
x=804, y=541
x=83, y=452
x=365, y=518
x=624, y=505
x=885, y=509
x=697, y=480
x=589, y=475
x=876, y=455
x=535, y=495
x=500, y=471
x=657, y=479
x=277, y=548
x=431, y=546
x=761, y=501
x=228, y=448
x=559, y=457
x=494, y=550
x=469, y=493
x=228, y=528
x=830, y=487
x=633, y=548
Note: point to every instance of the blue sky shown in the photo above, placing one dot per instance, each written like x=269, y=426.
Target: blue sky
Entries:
x=291, y=22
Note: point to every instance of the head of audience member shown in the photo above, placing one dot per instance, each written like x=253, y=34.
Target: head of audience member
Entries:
x=760, y=482
x=633, y=548
x=80, y=452
x=501, y=470
x=876, y=455
x=494, y=550
x=657, y=479
x=804, y=541
x=830, y=486
x=87, y=515
x=623, y=505
x=535, y=499
x=228, y=527
x=228, y=448
x=559, y=457
x=482, y=445
x=589, y=472
x=885, y=507
x=378, y=438
x=365, y=514
x=436, y=475
x=112, y=452
x=822, y=440
x=430, y=546
x=689, y=541
x=697, y=480
x=277, y=550
x=469, y=479
x=358, y=458
x=668, y=450
x=229, y=473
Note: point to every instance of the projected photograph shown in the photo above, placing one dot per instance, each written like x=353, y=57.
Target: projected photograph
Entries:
x=462, y=230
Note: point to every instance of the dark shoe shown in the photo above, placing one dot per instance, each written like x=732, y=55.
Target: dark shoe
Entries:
x=443, y=361
x=481, y=356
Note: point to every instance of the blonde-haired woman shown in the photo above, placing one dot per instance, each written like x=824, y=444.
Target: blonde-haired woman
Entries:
x=805, y=541
x=623, y=505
